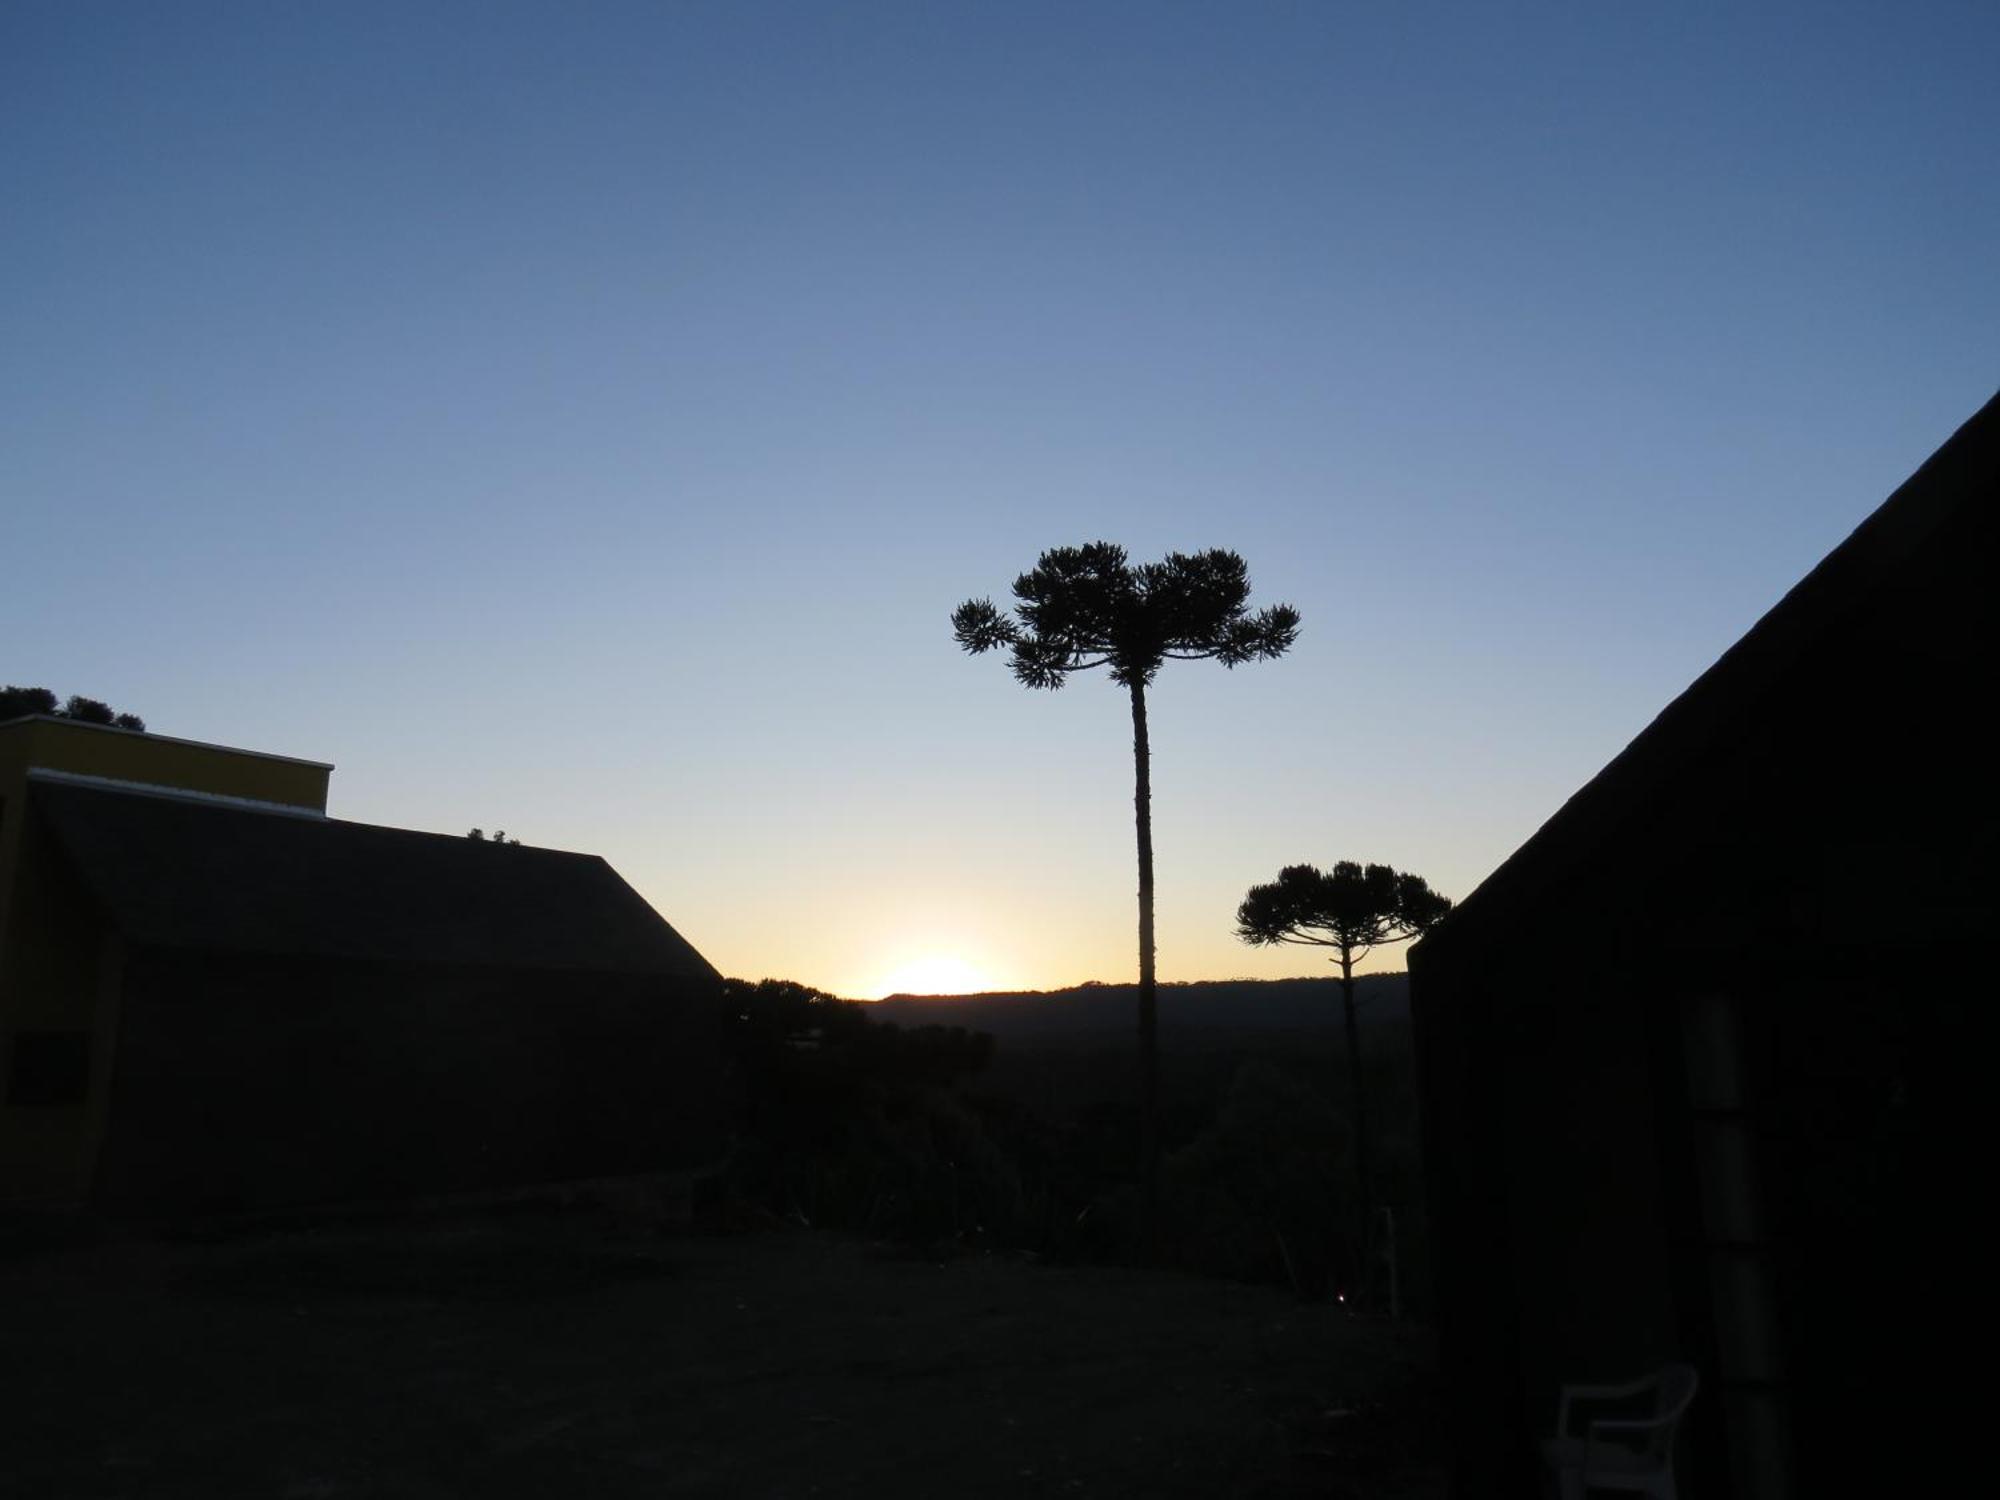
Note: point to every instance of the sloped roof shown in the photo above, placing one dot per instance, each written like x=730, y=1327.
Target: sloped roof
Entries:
x=1952, y=500
x=184, y=873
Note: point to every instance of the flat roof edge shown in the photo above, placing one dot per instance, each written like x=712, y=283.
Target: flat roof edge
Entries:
x=147, y=734
x=175, y=793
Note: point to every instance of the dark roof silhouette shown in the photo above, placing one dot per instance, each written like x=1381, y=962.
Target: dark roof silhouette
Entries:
x=184, y=873
x=1952, y=502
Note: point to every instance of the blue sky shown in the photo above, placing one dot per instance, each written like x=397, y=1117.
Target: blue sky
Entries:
x=583, y=418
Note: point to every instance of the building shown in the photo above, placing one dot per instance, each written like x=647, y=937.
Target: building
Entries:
x=1702, y=1064
x=214, y=997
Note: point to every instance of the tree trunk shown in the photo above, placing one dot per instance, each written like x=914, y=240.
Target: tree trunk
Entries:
x=1149, y=1060
x=1364, y=1175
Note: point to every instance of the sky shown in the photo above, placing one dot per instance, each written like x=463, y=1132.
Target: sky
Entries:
x=582, y=419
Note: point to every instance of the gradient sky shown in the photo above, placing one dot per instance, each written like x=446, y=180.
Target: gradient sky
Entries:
x=582, y=418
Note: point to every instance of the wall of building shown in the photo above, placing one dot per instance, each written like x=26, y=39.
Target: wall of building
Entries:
x=58, y=964
x=58, y=1018
x=1553, y=1228
x=252, y=1083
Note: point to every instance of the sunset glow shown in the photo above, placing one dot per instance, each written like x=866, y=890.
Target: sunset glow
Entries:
x=932, y=974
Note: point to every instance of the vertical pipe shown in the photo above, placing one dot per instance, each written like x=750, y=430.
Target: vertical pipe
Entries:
x=1735, y=1237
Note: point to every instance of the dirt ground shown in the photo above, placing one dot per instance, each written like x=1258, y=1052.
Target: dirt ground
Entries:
x=515, y=1357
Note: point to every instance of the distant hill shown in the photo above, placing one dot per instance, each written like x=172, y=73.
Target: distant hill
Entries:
x=1198, y=1011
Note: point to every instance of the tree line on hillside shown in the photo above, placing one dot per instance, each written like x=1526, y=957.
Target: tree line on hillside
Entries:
x=1192, y=1011
x=938, y=1138
x=20, y=702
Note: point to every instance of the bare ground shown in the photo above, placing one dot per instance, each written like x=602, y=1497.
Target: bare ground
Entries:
x=540, y=1357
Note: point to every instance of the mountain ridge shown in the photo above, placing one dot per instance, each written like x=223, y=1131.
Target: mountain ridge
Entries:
x=1186, y=1008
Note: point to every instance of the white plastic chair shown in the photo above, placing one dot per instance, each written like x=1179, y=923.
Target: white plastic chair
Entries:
x=1620, y=1453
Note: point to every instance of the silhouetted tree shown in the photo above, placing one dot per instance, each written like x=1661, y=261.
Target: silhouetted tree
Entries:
x=773, y=1013
x=19, y=702
x=1352, y=909
x=856, y=1123
x=1085, y=607
x=498, y=836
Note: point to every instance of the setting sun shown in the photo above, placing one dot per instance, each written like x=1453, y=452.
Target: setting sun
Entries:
x=933, y=974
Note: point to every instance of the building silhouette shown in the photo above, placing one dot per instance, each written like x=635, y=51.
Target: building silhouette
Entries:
x=214, y=997
x=1702, y=1065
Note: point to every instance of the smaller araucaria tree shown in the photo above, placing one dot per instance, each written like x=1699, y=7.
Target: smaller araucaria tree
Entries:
x=1352, y=909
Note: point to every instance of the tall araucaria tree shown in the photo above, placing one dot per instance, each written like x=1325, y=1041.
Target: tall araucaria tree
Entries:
x=1352, y=910
x=1085, y=607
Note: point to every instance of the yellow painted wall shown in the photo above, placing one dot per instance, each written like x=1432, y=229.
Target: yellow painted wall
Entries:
x=59, y=966
x=155, y=760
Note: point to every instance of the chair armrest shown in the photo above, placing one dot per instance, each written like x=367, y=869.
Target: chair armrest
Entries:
x=1613, y=1392
x=1576, y=1393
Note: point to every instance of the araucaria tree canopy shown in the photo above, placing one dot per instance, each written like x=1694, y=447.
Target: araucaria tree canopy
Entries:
x=1350, y=907
x=1085, y=607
